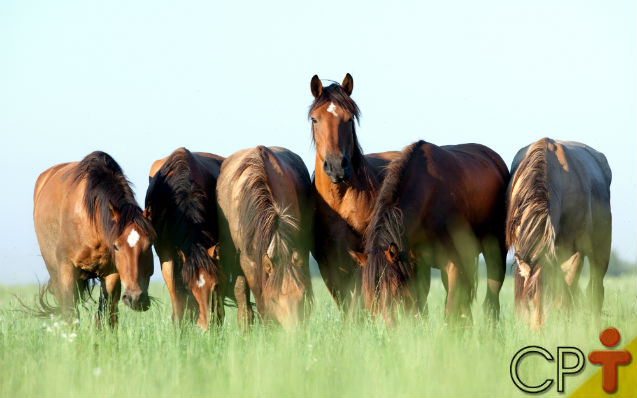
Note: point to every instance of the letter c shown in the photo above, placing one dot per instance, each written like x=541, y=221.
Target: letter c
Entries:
x=515, y=362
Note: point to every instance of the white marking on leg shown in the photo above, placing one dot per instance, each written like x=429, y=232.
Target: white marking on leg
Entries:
x=332, y=109
x=133, y=238
x=201, y=281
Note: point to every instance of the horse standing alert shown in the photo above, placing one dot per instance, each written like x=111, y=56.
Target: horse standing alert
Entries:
x=345, y=186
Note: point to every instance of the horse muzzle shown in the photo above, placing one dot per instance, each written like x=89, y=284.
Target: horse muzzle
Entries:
x=338, y=169
x=137, y=302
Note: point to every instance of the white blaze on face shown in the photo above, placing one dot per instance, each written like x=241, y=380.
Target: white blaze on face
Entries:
x=133, y=237
x=201, y=281
x=332, y=109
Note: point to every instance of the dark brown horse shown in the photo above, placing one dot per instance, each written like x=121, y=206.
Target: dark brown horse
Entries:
x=89, y=226
x=181, y=203
x=558, y=212
x=264, y=196
x=345, y=186
x=438, y=207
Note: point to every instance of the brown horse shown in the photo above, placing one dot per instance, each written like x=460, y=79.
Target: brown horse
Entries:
x=181, y=203
x=438, y=207
x=89, y=226
x=345, y=186
x=558, y=212
x=264, y=196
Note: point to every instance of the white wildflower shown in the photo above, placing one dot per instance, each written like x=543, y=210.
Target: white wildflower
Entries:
x=72, y=335
x=48, y=329
x=97, y=371
x=63, y=335
x=56, y=324
x=76, y=321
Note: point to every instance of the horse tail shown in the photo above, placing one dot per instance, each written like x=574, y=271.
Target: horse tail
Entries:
x=529, y=226
x=42, y=306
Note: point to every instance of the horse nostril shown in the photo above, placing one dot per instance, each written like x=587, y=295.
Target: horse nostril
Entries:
x=126, y=298
x=325, y=166
x=344, y=162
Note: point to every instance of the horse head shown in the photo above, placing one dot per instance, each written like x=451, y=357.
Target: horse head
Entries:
x=286, y=286
x=134, y=261
x=333, y=114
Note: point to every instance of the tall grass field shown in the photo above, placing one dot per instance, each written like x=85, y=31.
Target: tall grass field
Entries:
x=328, y=356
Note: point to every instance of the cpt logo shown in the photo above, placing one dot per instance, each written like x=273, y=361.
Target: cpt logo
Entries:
x=608, y=359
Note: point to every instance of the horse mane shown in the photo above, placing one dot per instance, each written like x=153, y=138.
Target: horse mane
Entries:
x=265, y=226
x=528, y=222
x=178, y=207
x=335, y=93
x=387, y=226
x=108, y=190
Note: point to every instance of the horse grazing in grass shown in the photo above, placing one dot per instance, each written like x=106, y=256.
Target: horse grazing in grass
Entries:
x=89, y=226
x=438, y=207
x=181, y=203
x=558, y=212
x=264, y=196
x=345, y=186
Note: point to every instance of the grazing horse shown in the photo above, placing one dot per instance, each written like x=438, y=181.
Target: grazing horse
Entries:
x=438, y=207
x=345, y=186
x=181, y=203
x=558, y=212
x=264, y=196
x=89, y=226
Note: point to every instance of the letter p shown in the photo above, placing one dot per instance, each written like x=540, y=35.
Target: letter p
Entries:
x=563, y=370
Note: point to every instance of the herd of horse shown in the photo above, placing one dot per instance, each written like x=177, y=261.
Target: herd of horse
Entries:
x=375, y=223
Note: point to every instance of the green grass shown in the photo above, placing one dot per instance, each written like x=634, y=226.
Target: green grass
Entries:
x=147, y=356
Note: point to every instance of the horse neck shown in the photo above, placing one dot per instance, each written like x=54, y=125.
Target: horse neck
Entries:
x=280, y=183
x=362, y=183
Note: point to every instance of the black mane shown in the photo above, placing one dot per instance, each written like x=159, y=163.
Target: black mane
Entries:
x=386, y=227
x=184, y=213
x=107, y=192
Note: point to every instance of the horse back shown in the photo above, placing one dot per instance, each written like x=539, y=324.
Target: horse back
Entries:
x=59, y=217
x=473, y=176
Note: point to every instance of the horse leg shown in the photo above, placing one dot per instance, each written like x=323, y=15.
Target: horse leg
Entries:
x=458, y=297
x=494, y=256
x=571, y=270
x=110, y=289
x=423, y=284
x=598, y=267
x=245, y=315
x=218, y=311
x=177, y=292
x=66, y=292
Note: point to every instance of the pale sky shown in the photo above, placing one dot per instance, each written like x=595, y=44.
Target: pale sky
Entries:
x=138, y=79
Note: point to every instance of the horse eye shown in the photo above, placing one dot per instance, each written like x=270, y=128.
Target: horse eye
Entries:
x=115, y=247
x=313, y=121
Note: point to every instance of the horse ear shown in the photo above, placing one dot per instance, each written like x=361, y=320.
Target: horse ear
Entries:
x=296, y=259
x=146, y=213
x=359, y=258
x=392, y=253
x=213, y=252
x=114, y=213
x=348, y=84
x=267, y=264
x=316, y=86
